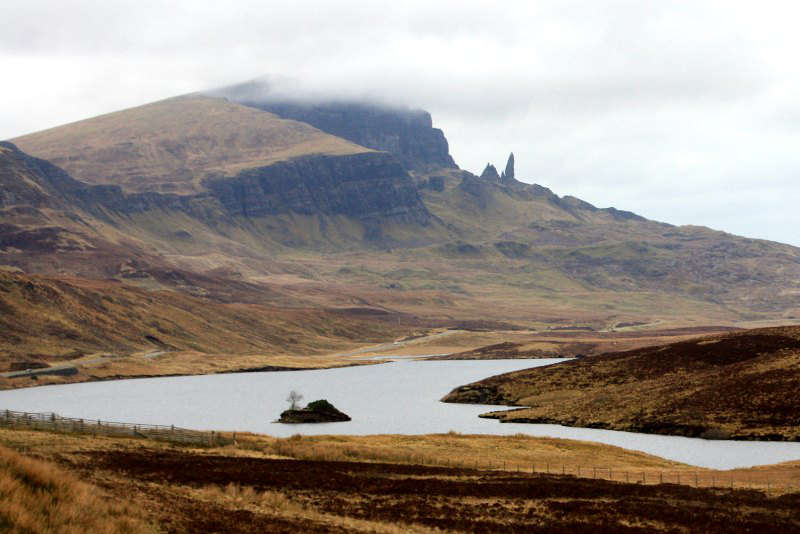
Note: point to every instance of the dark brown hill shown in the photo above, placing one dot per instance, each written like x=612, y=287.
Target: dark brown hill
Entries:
x=741, y=385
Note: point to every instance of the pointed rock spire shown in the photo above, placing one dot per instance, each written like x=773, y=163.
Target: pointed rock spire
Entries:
x=508, y=174
x=490, y=173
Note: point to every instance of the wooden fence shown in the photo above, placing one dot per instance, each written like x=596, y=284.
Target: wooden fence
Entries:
x=57, y=423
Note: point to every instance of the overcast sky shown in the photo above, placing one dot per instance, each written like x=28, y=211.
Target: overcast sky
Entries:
x=683, y=111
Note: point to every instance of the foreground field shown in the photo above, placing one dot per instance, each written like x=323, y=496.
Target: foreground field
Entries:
x=37, y=496
x=740, y=385
x=379, y=484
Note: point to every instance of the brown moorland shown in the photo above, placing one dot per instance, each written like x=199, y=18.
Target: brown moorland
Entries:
x=739, y=385
x=257, y=485
x=108, y=329
x=38, y=497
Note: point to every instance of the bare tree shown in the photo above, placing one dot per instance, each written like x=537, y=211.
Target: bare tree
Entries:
x=294, y=399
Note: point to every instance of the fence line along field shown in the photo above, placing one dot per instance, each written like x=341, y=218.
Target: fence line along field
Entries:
x=518, y=453
x=54, y=422
x=250, y=487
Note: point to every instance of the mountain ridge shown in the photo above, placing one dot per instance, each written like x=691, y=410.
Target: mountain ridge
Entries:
x=359, y=227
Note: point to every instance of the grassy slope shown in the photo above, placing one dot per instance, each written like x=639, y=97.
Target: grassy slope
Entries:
x=740, y=385
x=172, y=144
x=55, y=320
x=37, y=497
x=545, y=247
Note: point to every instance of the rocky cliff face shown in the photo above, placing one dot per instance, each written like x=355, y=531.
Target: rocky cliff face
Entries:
x=368, y=187
x=31, y=182
x=407, y=134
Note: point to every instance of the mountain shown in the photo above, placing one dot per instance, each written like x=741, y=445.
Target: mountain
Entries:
x=407, y=134
x=172, y=145
x=237, y=198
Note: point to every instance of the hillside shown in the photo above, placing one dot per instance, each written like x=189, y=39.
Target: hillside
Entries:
x=740, y=385
x=254, y=199
x=170, y=146
x=49, y=321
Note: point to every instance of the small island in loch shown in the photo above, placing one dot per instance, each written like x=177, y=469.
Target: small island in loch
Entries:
x=319, y=411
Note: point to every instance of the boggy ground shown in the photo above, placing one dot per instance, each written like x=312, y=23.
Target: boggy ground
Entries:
x=739, y=385
x=233, y=494
x=255, y=487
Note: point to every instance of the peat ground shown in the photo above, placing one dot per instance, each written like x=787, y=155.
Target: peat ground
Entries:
x=422, y=498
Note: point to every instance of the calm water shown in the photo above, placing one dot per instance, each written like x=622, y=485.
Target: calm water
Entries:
x=393, y=398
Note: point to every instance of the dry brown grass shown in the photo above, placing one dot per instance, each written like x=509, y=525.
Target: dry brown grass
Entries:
x=38, y=497
x=250, y=486
x=53, y=321
x=509, y=453
x=280, y=504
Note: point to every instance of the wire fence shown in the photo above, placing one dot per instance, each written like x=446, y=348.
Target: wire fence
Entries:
x=54, y=422
x=767, y=480
x=770, y=481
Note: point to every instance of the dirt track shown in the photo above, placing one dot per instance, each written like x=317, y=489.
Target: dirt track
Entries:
x=460, y=500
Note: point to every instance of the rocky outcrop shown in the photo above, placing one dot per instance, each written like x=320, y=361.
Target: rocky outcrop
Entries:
x=407, y=134
x=368, y=187
x=476, y=393
x=508, y=174
x=490, y=173
x=320, y=411
x=32, y=182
